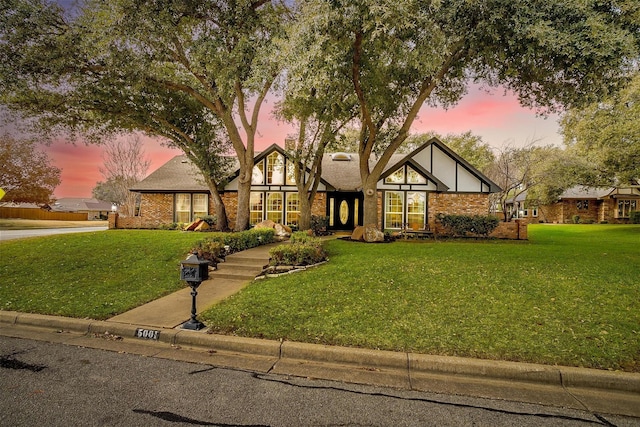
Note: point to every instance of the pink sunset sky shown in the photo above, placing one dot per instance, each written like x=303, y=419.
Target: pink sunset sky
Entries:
x=497, y=118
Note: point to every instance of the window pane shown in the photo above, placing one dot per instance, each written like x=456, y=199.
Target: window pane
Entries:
x=396, y=178
x=200, y=205
x=394, y=207
x=291, y=175
x=293, y=209
x=414, y=177
x=257, y=177
x=416, y=209
x=183, y=207
x=275, y=169
x=255, y=208
x=274, y=207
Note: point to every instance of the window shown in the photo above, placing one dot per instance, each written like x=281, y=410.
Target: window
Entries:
x=188, y=207
x=293, y=209
x=257, y=177
x=274, y=207
x=200, y=205
x=291, y=174
x=625, y=207
x=416, y=209
x=414, y=177
x=183, y=208
x=275, y=169
x=406, y=175
x=255, y=208
x=396, y=178
x=393, y=209
x=582, y=205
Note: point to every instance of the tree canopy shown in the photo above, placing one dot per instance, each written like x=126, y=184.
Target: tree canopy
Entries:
x=154, y=66
x=606, y=134
x=26, y=173
x=398, y=55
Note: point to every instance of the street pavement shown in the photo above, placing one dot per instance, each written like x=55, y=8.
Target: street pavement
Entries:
x=51, y=384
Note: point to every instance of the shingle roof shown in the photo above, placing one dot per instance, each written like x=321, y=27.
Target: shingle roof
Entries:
x=75, y=204
x=177, y=175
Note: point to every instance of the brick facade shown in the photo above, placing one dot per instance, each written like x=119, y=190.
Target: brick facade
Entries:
x=563, y=212
x=456, y=204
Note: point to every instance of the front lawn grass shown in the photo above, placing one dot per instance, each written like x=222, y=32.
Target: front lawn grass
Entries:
x=568, y=296
x=94, y=275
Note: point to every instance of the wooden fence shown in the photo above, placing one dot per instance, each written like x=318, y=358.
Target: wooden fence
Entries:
x=26, y=213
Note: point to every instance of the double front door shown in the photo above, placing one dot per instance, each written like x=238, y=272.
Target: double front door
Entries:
x=344, y=210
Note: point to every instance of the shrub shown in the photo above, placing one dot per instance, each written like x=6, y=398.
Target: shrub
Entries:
x=634, y=217
x=210, y=220
x=319, y=225
x=298, y=254
x=239, y=241
x=462, y=225
x=209, y=249
x=576, y=219
x=301, y=237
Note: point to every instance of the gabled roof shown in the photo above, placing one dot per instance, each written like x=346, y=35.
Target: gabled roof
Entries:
x=341, y=172
x=493, y=187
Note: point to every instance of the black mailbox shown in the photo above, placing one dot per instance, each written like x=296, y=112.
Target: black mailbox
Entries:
x=193, y=269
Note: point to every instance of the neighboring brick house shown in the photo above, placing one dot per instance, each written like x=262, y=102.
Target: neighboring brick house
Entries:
x=413, y=189
x=589, y=204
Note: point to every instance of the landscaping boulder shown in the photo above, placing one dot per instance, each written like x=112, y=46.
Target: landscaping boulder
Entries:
x=282, y=230
x=372, y=234
x=203, y=226
x=358, y=233
x=267, y=223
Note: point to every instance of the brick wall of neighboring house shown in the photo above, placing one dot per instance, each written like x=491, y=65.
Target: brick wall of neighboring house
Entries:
x=230, y=200
x=570, y=209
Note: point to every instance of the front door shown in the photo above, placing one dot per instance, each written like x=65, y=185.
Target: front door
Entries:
x=344, y=210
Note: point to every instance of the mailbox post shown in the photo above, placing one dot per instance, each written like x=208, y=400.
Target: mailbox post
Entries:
x=194, y=271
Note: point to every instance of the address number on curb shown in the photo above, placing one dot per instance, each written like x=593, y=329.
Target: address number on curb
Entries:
x=148, y=334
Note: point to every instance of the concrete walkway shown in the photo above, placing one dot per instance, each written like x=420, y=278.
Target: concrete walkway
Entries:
x=173, y=310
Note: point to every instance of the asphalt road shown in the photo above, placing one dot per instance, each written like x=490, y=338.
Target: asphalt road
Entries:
x=20, y=234
x=61, y=385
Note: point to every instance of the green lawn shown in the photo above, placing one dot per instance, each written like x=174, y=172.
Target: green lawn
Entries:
x=93, y=275
x=570, y=296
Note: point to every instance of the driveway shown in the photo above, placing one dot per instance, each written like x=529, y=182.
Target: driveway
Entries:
x=21, y=234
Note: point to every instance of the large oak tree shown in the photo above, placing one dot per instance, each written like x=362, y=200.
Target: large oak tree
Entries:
x=399, y=55
x=152, y=65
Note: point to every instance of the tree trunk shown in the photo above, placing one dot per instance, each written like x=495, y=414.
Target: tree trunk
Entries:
x=370, y=206
x=222, y=222
x=244, y=194
x=304, y=222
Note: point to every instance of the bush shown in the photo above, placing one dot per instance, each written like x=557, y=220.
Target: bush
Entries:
x=634, y=217
x=462, y=225
x=576, y=219
x=298, y=254
x=239, y=241
x=319, y=225
x=210, y=220
x=209, y=250
x=301, y=237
